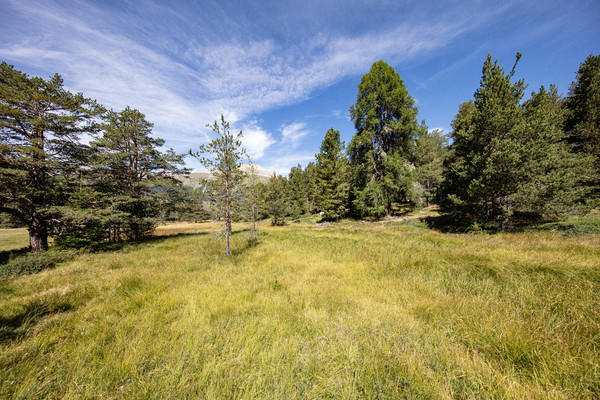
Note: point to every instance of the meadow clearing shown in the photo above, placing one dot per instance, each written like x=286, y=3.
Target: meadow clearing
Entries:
x=383, y=310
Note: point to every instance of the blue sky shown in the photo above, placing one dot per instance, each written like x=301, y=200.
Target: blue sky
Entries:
x=286, y=71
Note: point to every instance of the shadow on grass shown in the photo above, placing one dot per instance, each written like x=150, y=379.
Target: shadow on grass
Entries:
x=250, y=243
x=7, y=255
x=448, y=223
x=21, y=324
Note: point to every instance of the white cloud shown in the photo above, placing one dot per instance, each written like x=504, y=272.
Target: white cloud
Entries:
x=293, y=133
x=256, y=140
x=282, y=164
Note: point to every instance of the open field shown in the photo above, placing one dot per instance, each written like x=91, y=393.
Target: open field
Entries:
x=353, y=310
x=12, y=239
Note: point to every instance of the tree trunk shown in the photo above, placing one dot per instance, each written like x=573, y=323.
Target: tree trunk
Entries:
x=227, y=233
x=253, y=226
x=38, y=234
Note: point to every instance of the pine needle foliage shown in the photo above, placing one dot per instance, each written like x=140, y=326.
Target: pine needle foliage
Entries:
x=223, y=158
x=40, y=123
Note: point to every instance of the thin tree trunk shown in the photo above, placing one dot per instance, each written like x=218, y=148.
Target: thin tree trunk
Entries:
x=227, y=218
x=253, y=226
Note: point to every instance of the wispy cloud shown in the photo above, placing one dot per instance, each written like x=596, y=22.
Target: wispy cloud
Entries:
x=293, y=133
x=189, y=79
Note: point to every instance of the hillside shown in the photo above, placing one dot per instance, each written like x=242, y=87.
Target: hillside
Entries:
x=192, y=179
x=351, y=310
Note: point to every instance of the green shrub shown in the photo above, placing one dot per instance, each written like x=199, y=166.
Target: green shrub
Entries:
x=32, y=263
x=575, y=226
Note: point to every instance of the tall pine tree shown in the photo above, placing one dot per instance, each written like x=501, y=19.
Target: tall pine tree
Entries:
x=40, y=123
x=297, y=182
x=583, y=116
x=384, y=116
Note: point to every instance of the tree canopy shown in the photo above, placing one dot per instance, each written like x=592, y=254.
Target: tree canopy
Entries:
x=40, y=123
x=384, y=116
x=509, y=157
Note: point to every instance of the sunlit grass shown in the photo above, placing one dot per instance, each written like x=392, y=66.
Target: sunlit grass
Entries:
x=13, y=239
x=352, y=310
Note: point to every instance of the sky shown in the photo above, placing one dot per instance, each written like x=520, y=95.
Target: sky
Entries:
x=284, y=72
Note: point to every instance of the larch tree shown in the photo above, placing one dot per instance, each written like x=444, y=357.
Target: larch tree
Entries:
x=223, y=158
x=430, y=152
x=332, y=167
x=384, y=116
x=253, y=203
x=40, y=124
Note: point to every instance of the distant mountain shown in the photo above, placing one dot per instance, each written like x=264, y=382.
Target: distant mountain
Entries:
x=194, y=178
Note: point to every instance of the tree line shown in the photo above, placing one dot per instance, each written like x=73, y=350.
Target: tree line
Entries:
x=508, y=160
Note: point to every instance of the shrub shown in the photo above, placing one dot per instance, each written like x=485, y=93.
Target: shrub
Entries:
x=32, y=263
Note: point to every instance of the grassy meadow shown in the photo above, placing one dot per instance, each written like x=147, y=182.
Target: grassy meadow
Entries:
x=385, y=310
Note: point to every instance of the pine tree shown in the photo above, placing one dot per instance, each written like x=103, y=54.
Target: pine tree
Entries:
x=222, y=156
x=583, y=115
x=134, y=179
x=297, y=182
x=508, y=158
x=40, y=123
x=277, y=199
x=332, y=176
x=384, y=116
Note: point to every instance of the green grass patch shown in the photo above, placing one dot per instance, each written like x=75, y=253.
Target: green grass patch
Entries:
x=374, y=310
x=13, y=239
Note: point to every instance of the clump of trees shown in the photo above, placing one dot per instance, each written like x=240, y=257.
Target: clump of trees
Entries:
x=116, y=187
x=508, y=160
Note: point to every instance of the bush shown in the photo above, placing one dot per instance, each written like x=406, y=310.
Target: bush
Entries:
x=89, y=234
x=34, y=262
x=575, y=226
